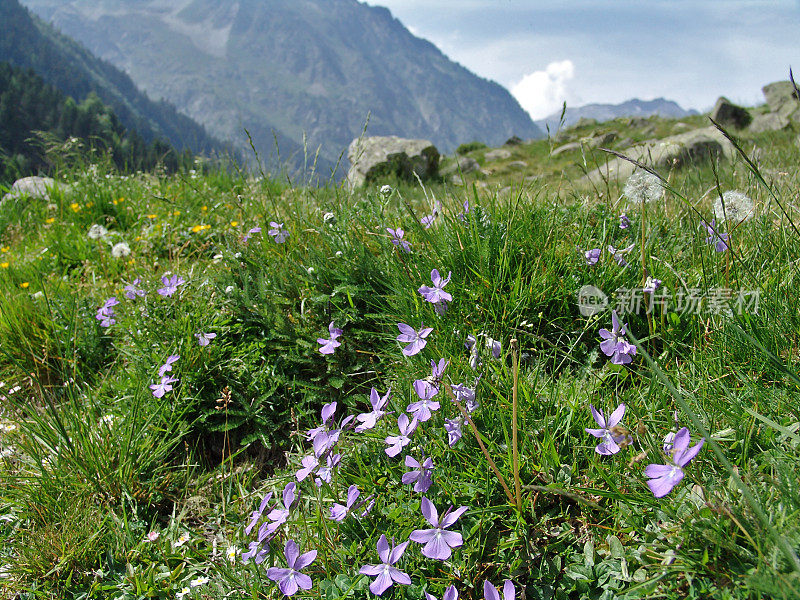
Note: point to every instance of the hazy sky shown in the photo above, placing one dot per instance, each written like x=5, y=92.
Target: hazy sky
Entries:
x=582, y=51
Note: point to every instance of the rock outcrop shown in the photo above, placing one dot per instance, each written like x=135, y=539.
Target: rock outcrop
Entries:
x=728, y=114
x=33, y=187
x=693, y=146
x=374, y=157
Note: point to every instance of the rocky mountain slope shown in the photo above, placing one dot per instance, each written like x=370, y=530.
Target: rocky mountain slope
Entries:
x=28, y=42
x=302, y=72
x=606, y=112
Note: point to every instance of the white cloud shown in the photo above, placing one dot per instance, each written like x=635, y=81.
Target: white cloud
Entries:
x=541, y=93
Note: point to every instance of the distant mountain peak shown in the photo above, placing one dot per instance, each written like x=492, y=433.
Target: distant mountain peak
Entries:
x=606, y=112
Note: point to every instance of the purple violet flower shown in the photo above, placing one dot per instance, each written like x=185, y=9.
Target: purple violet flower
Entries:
x=204, y=339
x=385, y=574
x=397, y=239
x=494, y=347
x=164, y=386
x=250, y=233
x=423, y=407
x=449, y=594
x=415, y=339
x=256, y=514
x=438, y=541
x=663, y=478
x=614, y=345
x=396, y=443
x=326, y=473
x=278, y=516
x=592, y=256
x=370, y=419
x=453, y=429
x=490, y=592
x=170, y=285
x=624, y=221
x=437, y=369
x=256, y=551
x=309, y=462
x=715, y=238
x=105, y=314
x=436, y=293
x=167, y=366
x=278, y=233
x=611, y=440
x=324, y=441
x=133, y=290
x=421, y=475
x=465, y=396
x=619, y=255
x=329, y=346
x=340, y=511
x=290, y=580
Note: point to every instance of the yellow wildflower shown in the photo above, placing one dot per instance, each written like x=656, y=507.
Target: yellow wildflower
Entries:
x=204, y=208
x=89, y=204
x=50, y=220
x=5, y=249
x=234, y=223
x=152, y=216
x=4, y=265
x=199, y=228
x=75, y=207
x=24, y=284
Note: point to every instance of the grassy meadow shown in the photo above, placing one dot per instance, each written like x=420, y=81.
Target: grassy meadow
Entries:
x=129, y=473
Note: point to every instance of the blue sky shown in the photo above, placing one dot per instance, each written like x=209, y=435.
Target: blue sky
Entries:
x=582, y=51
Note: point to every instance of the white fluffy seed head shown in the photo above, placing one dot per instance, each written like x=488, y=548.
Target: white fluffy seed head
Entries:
x=734, y=207
x=120, y=250
x=96, y=232
x=643, y=187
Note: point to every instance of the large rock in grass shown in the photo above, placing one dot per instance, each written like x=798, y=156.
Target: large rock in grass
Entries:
x=769, y=122
x=373, y=158
x=678, y=150
x=728, y=114
x=33, y=187
x=782, y=98
x=462, y=165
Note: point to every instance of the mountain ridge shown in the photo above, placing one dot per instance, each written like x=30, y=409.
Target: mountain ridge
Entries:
x=308, y=72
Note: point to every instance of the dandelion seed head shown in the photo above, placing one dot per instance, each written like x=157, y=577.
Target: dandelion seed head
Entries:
x=734, y=207
x=643, y=187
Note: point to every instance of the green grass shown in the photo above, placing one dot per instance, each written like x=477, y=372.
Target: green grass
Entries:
x=93, y=463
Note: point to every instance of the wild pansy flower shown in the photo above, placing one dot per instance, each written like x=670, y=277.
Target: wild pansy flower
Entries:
x=614, y=345
x=397, y=239
x=449, y=594
x=250, y=233
x=490, y=592
x=170, y=285
x=438, y=541
x=494, y=347
x=340, y=511
x=415, y=339
x=329, y=346
x=257, y=514
x=204, y=339
x=624, y=221
x=278, y=516
x=611, y=435
x=472, y=345
x=465, y=395
x=133, y=290
x=164, y=386
x=255, y=552
x=663, y=478
x=715, y=238
x=396, y=443
x=437, y=369
x=291, y=580
x=453, y=429
x=428, y=220
x=278, y=233
x=385, y=573
x=327, y=412
x=436, y=293
x=619, y=255
x=421, y=474
x=325, y=473
x=167, y=366
x=310, y=463
x=733, y=207
x=423, y=407
x=370, y=419
x=105, y=314
x=592, y=256
x=651, y=285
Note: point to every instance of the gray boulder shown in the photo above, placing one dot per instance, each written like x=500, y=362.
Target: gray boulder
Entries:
x=570, y=147
x=517, y=164
x=769, y=122
x=33, y=187
x=689, y=147
x=463, y=165
x=499, y=154
x=728, y=114
x=781, y=97
x=372, y=158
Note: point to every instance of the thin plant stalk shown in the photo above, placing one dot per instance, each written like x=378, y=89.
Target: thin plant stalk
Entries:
x=514, y=424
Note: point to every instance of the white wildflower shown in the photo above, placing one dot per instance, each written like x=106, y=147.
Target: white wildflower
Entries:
x=733, y=207
x=643, y=186
x=120, y=250
x=96, y=232
x=386, y=190
x=197, y=582
x=184, y=537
